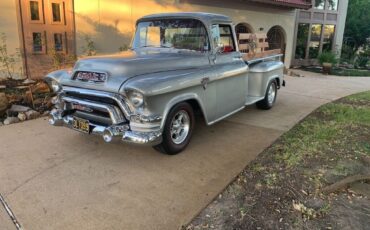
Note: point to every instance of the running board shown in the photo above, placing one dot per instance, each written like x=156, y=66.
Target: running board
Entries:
x=251, y=100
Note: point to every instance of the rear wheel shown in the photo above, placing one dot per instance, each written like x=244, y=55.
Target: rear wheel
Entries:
x=178, y=129
x=270, y=96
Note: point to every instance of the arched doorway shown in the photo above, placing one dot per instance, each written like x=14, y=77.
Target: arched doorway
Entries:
x=276, y=38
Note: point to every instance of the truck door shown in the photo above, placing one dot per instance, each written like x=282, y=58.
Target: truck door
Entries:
x=229, y=70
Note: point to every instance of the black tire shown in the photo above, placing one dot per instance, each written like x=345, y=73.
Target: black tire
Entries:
x=265, y=103
x=168, y=146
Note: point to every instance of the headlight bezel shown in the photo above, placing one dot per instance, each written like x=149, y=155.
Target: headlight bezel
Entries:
x=55, y=86
x=136, y=98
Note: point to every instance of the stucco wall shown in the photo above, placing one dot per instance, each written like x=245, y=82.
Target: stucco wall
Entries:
x=110, y=23
x=9, y=26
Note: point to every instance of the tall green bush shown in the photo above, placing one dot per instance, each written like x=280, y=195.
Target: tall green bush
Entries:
x=327, y=57
x=363, y=58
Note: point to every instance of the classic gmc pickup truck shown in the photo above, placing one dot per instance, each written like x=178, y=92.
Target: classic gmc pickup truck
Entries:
x=180, y=64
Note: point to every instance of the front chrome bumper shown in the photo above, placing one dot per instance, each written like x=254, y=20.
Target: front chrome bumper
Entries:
x=117, y=131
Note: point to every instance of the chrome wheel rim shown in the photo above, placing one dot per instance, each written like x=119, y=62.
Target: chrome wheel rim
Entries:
x=180, y=126
x=271, y=94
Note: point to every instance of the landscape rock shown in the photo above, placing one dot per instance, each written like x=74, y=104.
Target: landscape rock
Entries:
x=32, y=114
x=19, y=108
x=11, y=120
x=46, y=113
x=294, y=74
x=10, y=113
x=28, y=81
x=22, y=116
x=3, y=103
x=24, y=87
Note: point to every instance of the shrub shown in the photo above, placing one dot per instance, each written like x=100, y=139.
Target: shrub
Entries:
x=328, y=57
x=89, y=48
x=348, y=54
x=361, y=61
x=8, y=61
x=362, y=58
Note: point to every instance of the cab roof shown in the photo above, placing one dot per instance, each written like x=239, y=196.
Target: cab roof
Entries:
x=206, y=18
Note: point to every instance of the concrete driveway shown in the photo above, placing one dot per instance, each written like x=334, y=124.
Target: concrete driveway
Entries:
x=55, y=178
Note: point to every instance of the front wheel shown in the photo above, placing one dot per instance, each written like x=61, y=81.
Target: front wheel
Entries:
x=178, y=129
x=270, y=96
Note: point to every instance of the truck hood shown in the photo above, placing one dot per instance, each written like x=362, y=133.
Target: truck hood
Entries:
x=126, y=65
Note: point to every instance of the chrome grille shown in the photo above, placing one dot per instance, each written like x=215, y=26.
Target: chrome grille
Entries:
x=95, y=111
x=100, y=97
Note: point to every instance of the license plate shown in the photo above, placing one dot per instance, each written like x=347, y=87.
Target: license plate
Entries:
x=81, y=125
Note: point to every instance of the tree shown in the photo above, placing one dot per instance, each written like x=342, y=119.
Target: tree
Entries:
x=7, y=61
x=358, y=22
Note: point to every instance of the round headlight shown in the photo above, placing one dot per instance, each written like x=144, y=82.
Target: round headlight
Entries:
x=137, y=99
x=55, y=86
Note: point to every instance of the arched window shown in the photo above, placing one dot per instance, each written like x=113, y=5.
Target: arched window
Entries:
x=276, y=38
x=243, y=28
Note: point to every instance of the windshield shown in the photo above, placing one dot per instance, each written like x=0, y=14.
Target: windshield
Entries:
x=189, y=34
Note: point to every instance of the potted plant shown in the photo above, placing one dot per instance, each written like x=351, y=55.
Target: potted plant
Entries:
x=327, y=59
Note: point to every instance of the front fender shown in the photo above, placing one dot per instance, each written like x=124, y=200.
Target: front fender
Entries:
x=58, y=75
x=182, y=98
x=165, y=89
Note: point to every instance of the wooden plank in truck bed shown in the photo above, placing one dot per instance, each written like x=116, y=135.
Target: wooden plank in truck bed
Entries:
x=260, y=44
x=267, y=53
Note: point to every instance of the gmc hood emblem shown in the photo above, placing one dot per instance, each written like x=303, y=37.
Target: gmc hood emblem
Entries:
x=95, y=77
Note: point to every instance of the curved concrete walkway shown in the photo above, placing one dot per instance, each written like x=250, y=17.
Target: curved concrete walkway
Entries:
x=55, y=178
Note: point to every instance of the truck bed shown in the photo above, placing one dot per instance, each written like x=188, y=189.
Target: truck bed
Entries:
x=255, y=48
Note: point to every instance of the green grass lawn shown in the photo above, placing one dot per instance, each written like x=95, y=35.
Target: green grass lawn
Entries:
x=282, y=187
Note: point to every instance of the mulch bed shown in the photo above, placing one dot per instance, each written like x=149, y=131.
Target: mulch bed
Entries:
x=276, y=192
x=33, y=94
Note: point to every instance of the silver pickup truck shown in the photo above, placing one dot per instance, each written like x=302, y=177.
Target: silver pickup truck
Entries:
x=180, y=65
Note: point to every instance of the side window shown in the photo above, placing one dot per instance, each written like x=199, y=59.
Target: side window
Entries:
x=37, y=46
x=34, y=10
x=56, y=12
x=58, y=42
x=222, y=34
